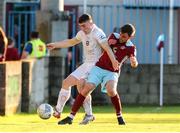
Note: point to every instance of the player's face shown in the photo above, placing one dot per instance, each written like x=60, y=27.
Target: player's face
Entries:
x=124, y=37
x=86, y=27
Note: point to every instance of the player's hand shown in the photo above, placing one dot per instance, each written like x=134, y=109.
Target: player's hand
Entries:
x=51, y=46
x=112, y=41
x=115, y=65
x=133, y=61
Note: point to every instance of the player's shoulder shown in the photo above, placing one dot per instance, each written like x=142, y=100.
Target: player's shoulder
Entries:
x=80, y=32
x=129, y=43
x=80, y=35
x=98, y=31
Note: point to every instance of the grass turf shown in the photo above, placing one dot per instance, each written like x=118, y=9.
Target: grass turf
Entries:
x=138, y=119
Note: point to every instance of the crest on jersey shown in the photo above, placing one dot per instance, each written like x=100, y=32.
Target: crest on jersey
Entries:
x=87, y=43
x=114, y=49
x=122, y=47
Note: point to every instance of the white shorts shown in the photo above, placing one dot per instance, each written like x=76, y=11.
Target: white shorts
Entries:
x=82, y=71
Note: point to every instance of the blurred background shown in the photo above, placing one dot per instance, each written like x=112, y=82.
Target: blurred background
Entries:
x=25, y=84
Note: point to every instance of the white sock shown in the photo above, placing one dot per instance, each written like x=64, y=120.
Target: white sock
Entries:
x=71, y=116
x=62, y=99
x=88, y=105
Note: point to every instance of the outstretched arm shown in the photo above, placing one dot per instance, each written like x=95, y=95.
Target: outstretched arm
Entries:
x=63, y=44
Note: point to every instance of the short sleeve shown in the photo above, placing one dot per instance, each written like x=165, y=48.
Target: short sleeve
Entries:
x=79, y=36
x=100, y=36
x=133, y=51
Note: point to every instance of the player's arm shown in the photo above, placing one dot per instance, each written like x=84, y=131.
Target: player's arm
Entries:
x=134, y=62
x=110, y=53
x=133, y=59
x=63, y=44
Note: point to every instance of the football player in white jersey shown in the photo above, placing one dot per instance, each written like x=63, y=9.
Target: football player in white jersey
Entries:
x=94, y=41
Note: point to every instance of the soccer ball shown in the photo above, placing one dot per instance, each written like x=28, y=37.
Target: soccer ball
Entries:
x=45, y=111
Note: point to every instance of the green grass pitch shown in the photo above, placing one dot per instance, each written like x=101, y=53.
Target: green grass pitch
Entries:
x=138, y=119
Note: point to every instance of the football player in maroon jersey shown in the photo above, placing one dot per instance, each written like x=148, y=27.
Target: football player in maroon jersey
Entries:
x=104, y=73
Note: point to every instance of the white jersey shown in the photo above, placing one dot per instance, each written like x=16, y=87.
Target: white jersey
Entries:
x=91, y=44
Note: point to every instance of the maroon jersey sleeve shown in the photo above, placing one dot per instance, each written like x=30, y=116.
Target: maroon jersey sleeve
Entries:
x=132, y=51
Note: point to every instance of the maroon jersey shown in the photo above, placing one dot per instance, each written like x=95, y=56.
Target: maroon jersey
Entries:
x=122, y=52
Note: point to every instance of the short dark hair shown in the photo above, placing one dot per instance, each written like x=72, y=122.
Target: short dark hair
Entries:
x=34, y=34
x=129, y=29
x=85, y=17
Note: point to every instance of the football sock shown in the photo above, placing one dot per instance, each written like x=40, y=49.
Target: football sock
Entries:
x=87, y=105
x=117, y=105
x=71, y=116
x=62, y=99
x=77, y=104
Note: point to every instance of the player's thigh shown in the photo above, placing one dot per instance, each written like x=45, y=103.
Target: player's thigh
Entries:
x=111, y=87
x=70, y=81
x=81, y=84
x=87, y=89
x=75, y=76
x=95, y=76
x=110, y=82
x=82, y=71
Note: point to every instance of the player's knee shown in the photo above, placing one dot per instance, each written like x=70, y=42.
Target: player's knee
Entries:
x=81, y=84
x=66, y=83
x=81, y=81
x=90, y=86
x=87, y=89
x=111, y=91
x=111, y=88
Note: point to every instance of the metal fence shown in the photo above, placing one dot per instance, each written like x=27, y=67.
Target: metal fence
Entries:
x=150, y=22
x=21, y=20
